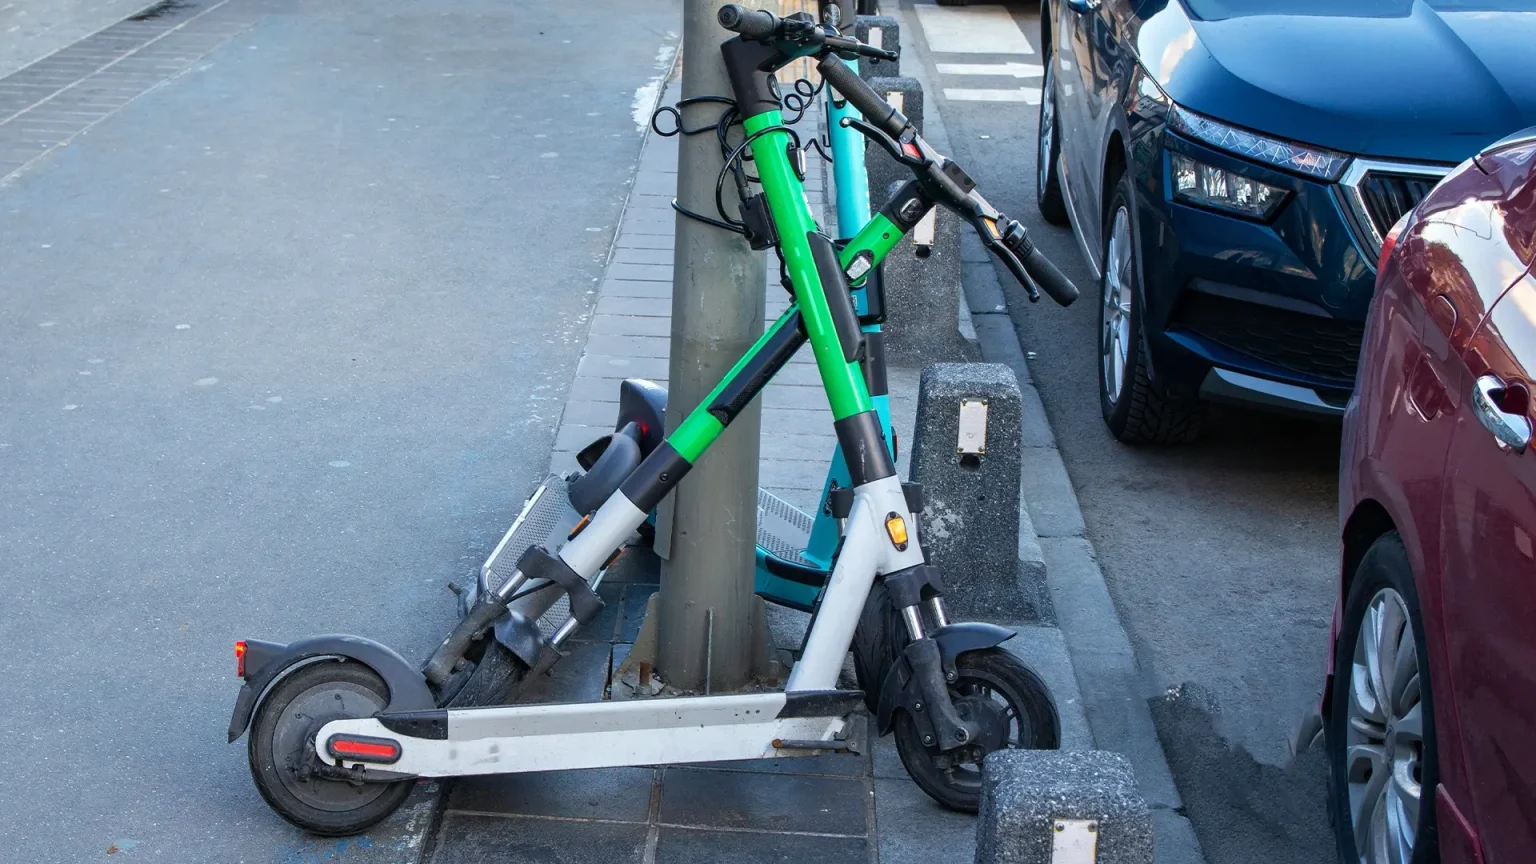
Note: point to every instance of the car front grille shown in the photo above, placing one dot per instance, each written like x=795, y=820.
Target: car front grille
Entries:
x=1323, y=348
x=1388, y=196
x=1379, y=193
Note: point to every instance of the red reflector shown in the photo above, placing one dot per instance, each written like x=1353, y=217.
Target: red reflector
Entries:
x=240, y=658
x=912, y=150
x=366, y=749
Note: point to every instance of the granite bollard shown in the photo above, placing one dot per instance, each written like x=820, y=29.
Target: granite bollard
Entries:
x=1061, y=807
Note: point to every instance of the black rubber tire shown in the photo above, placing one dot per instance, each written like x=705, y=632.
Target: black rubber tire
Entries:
x=1144, y=413
x=874, y=650
x=374, y=802
x=1053, y=207
x=868, y=7
x=497, y=670
x=1007, y=676
x=1384, y=565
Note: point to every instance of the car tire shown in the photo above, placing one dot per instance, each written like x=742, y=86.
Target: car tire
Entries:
x=1135, y=408
x=1048, y=150
x=1382, y=601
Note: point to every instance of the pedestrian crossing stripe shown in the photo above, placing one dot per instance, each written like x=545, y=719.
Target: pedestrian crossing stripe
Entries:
x=966, y=94
x=1017, y=70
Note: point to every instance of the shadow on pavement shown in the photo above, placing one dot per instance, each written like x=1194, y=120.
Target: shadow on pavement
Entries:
x=1243, y=810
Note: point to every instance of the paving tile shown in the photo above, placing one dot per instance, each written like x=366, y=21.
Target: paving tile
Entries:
x=643, y=272
x=596, y=415
x=470, y=839
x=762, y=801
x=645, y=307
x=680, y=845
x=619, y=366
x=648, y=289
x=624, y=324
x=573, y=679
x=644, y=241
x=915, y=829
x=623, y=255
x=616, y=794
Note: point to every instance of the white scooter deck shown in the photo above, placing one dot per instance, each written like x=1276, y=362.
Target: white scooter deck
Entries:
x=520, y=738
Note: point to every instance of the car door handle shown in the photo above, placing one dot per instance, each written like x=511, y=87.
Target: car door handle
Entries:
x=1510, y=430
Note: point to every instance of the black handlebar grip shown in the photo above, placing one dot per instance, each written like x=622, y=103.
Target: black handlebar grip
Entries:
x=877, y=112
x=757, y=24
x=1040, y=269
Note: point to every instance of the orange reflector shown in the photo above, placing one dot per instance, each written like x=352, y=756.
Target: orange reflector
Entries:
x=897, y=528
x=240, y=658
x=365, y=749
x=579, y=525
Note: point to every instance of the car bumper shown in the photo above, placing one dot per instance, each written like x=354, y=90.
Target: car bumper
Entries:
x=1266, y=314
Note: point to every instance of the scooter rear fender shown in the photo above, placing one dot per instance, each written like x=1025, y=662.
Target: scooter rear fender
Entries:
x=267, y=662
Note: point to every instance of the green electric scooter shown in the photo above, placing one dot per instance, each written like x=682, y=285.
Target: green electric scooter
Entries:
x=340, y=725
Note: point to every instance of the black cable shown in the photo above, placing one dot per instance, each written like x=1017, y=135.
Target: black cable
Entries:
x=798, y=102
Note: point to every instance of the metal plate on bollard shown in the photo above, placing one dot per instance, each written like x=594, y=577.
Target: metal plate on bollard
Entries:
x=1076, y=842
x=973, y=427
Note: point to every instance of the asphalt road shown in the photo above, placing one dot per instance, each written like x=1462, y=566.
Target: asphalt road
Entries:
x=282, y=348
x=1220, y=556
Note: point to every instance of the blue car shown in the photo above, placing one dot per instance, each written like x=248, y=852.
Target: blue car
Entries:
x=1230, y=167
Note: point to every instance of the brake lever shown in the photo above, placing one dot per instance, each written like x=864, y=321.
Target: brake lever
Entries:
x=845, y=46
x=996, y=246
x=896, y=150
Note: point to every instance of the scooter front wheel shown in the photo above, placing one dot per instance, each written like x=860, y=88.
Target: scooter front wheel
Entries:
x=1014, y=709
x=282, y=750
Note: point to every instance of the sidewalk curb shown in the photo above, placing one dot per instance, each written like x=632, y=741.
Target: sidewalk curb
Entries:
x=1108, y=675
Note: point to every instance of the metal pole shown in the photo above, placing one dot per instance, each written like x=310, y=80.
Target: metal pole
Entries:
x=717, y=312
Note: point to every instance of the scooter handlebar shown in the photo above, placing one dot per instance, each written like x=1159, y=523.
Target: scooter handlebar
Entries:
x=876, y=111
x=757, y=24
x=1035, y=265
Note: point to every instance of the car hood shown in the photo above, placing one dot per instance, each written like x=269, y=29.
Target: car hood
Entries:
x=1406, y=79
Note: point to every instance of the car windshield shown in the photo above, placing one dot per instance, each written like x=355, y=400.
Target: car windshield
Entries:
x=1216, y=10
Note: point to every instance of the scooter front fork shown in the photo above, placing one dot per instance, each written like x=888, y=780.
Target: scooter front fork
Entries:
x=938, y=720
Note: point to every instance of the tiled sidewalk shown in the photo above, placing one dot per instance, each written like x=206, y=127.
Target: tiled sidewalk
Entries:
x=819, y=809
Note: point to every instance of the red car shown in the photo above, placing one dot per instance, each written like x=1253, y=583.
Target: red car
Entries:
x=1430, y=706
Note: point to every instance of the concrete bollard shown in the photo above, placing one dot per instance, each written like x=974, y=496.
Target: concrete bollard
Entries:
x=922, y=294
x=1061, y=807
x=966, y=453
x=881, y=31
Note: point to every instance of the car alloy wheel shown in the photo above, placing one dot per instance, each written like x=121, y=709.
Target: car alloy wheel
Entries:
x=1119, y=295
x=1384, y=737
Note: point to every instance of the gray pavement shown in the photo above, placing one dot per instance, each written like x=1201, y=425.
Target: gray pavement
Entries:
x=33, y=29
x=1219, y=557
x=283, y=338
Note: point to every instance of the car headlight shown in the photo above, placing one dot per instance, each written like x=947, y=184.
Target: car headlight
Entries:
x=1309, y=161
x=1203, y=185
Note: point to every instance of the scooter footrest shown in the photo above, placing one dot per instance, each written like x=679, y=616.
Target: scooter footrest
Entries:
x=782, y=529
x=547, y=520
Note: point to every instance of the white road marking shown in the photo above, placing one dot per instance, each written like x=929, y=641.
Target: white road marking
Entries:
x=972, y=30
x=964, y=94
x=1017, y=70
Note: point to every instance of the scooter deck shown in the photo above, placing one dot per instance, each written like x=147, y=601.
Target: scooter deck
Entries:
x=564, y=736
x=783, y=531
x=547, y=519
